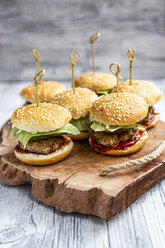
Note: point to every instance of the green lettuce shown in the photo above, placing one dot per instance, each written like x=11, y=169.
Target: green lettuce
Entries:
x=82, y=124
x=24, y=136
x=27, y=103
x=102, y=92
x=100, y=127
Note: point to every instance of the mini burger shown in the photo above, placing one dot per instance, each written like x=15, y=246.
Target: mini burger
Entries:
x=114, y=124
x=40, y=131
x=79, y=105
x=150, y=92
x=100, y=83
x=46, y=91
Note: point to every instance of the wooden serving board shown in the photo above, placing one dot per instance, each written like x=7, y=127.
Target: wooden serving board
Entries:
x=73, y=185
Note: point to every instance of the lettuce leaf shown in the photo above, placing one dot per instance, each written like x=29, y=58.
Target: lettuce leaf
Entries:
x=102, y=92
x=82, y=124
x=100, y=127
x=24, y=136
x=27, y=103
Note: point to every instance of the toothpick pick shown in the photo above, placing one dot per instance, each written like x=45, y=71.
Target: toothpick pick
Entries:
x=117, y=74
x=37, y=58
x=37, y=79
x=131, y=56
x=73, y=63
x=93, y=38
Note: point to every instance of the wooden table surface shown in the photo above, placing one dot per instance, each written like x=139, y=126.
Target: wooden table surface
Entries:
x=25, y=222
x=56, y=28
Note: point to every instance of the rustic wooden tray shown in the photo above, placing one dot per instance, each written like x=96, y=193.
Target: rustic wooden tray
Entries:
x=73, y=185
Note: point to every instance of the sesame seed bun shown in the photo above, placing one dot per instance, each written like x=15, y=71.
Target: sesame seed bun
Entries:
x=129, y=150
x=126, y=109
x=153, y=123
x=148, y=90
x=79, y=104
x=44, y=118
x=52, y=158
x=46, y=91
x=96, y=81
x=83, y=135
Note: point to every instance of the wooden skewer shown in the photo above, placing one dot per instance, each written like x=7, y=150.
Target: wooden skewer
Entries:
x=37, y=58
x=36, y=80
x=117, y=74
x=131, y=56
x=73, y=63
x=93, y=38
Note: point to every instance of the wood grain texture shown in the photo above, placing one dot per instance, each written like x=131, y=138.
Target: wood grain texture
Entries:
x=74, y=185
x=55, y=28
x=25, y=222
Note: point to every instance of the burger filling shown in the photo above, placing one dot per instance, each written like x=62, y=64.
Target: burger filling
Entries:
x=45, y=146
x=82, y=124
x=43, y=143
x=102, y=92
x=114, y=137
x=149, y=118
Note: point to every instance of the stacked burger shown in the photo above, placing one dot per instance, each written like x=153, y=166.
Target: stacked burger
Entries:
x=79, y=104
x=41, y=131
x=150, y=92
x=44, y=132
x=100, y=83
x=46, y=91
x=44, y=129
x=115, y=129
x=115, y=122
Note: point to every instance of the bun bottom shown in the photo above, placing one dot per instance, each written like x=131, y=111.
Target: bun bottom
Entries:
x=153, y=123
x=83, y=135
x=40, y=159
x=129, y=150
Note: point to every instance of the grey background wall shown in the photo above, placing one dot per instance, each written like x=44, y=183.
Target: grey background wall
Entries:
x=55, y=28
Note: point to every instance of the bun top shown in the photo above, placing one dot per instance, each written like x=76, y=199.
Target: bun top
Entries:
x=148, y=90
x=79, y=104
x=46, y=91
x=44, y=118
x=96, y=81
x=126, y=109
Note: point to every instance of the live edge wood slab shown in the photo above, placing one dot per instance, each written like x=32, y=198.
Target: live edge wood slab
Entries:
x=73, y=185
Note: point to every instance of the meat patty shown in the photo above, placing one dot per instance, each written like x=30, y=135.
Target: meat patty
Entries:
x=111, y=139
x=149, y=115
x=44, y=146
